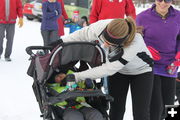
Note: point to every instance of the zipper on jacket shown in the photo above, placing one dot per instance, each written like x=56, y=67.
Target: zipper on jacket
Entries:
x=7, y=9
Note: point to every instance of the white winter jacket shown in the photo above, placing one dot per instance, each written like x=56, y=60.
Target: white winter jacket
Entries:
x=134, y=66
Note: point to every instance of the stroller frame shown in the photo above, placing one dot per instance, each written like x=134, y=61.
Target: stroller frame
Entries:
x=57, y=58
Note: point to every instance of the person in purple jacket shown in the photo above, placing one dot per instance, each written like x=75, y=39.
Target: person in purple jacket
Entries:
x=49, y=26
x=161, y=31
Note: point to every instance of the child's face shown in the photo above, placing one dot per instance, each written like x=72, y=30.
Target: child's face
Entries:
x=75, y=19
x=60, y=77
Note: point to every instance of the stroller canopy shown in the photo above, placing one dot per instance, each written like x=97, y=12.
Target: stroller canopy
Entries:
x=66, y=53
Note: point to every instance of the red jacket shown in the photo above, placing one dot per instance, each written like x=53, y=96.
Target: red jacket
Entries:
x=105, y=9
x=61, y=19
x=10, y=11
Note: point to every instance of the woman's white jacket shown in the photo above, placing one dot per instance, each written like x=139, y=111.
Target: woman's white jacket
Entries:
x=134, y=66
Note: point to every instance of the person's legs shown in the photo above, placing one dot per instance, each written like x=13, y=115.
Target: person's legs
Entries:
x=91, y=114
x=72, y=114
x=168, y=92
x=178, y=91
x=53, y=37
x=118, y=88
x=156, y=107
x=45, y=35
x=141, y=91
x=10, y=30
x=2, y=35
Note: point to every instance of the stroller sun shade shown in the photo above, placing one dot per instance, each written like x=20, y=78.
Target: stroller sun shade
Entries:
x=65, y=53
x=80, y=51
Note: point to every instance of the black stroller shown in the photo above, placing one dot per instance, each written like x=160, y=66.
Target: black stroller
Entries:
x=44, y=66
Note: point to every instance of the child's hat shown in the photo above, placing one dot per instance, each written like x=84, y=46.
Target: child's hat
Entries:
x=75, y=14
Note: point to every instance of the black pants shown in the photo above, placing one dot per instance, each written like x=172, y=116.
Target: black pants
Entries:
x=141, y=91
x=178, y=91
x=163, y=94
x=49, y=36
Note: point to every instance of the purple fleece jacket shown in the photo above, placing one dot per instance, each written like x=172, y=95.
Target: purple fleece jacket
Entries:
x=51, y=12
x=162, y=35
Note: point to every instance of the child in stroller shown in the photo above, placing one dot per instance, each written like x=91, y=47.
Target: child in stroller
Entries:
x=77, y=108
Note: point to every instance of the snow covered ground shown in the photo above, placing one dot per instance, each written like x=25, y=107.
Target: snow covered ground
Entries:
x=17, y=101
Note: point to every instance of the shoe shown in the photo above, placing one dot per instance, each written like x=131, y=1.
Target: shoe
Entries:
x=8, y=59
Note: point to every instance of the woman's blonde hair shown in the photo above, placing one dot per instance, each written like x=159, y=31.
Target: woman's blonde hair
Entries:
x=121, y=28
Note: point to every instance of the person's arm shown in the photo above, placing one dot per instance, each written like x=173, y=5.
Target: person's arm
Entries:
x=139, y=25
x=19, y=13
x=172, y=68
x=95, y=10
x=19, y=9
x=64, y=14
x=130, y=9
x=177, y=57
x=140, y=29
x=58, y=10
x=46, y=14
x=106, y=69
x=111, y=68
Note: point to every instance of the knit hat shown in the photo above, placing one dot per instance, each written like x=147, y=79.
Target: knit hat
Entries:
x=75, y=14
x=117, y=31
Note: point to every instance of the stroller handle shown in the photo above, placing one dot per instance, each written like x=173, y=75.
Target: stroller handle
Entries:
x=29, y=50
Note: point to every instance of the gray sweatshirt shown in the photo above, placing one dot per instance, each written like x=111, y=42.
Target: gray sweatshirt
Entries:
x=134, y=66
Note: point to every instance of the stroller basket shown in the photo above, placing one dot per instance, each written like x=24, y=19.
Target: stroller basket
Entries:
x=72, y=94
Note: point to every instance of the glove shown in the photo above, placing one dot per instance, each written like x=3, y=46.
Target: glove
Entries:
x=20, y=22
x=155, y=54
x=89, y=84
x=177, y=61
